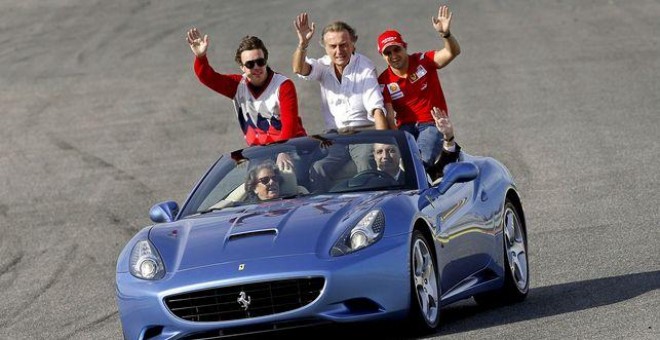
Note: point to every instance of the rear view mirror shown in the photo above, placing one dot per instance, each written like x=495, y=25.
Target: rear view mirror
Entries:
x=459, y=172
x=164, y=212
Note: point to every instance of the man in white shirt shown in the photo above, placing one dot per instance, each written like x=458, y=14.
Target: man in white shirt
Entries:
x=350, y=94
x=351, y=99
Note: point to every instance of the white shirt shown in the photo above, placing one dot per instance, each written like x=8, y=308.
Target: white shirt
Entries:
x=351, y=102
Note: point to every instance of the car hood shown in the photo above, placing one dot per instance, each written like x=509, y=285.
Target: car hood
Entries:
x=307, y=225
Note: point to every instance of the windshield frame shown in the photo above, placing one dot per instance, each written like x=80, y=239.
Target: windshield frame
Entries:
x=228, y=161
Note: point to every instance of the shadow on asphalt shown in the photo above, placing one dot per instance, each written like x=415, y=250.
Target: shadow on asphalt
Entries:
x=551, y=300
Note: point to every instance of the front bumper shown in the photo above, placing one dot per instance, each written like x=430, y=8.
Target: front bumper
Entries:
x=370, y=284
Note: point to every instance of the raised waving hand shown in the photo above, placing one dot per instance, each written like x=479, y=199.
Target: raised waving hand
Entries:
x=303, y=28
x=443, y=20
x=443, y=123
x=197, y=44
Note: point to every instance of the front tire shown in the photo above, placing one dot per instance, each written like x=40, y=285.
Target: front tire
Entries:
x=516, y=264
x=425, y=300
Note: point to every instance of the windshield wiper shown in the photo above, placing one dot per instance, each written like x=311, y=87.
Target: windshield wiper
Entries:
x=284, y=197
x=349, y=190
x=208, y=211
x=229, y=204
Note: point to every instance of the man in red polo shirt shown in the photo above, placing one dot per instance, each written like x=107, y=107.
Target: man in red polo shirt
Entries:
x=411, y=86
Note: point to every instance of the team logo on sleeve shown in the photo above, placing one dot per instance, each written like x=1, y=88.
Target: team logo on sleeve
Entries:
x=395, y=91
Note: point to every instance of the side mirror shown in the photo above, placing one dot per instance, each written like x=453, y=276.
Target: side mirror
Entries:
x=459, y=172
x=164, y=212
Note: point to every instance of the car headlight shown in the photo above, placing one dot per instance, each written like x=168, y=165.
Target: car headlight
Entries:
x=145, y=262
x=367, y=231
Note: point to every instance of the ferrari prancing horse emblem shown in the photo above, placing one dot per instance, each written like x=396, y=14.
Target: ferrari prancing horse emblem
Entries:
x=245, y=303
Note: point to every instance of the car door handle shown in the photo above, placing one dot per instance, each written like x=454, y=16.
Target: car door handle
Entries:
x=484, y=196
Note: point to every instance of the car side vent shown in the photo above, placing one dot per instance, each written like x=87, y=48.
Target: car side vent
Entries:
x=379, y=223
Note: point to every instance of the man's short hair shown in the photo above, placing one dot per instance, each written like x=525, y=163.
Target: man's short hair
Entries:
x=250, y=43
x=338, y=26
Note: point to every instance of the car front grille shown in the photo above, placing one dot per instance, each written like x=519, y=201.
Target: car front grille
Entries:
x=245, y=301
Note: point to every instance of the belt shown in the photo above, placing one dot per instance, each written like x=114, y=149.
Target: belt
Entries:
x=354, y=129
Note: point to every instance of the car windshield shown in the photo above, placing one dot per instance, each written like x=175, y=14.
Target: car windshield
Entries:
x=315, y=165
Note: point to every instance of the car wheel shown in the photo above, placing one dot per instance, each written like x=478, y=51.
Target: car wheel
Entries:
x=516, y=265
x=425, y=301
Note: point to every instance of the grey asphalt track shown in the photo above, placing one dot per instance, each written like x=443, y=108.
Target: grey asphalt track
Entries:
x=102, y=117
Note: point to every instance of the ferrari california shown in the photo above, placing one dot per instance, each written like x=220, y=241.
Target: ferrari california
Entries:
x=299, y=233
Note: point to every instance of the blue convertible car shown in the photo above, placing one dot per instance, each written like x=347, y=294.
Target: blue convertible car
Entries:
x=256, y=247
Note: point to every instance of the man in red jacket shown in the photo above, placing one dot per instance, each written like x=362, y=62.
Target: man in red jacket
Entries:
x=411, y=86
x=265, y=102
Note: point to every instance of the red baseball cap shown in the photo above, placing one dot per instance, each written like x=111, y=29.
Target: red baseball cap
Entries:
x=389, y=38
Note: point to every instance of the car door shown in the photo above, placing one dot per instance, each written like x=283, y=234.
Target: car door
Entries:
x=458, y=234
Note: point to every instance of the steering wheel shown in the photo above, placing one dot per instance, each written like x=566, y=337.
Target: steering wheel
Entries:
x=364, y=180
x=365, y=175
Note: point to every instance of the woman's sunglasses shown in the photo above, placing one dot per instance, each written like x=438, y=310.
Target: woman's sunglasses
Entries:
x=266, y=179
x=259, y=62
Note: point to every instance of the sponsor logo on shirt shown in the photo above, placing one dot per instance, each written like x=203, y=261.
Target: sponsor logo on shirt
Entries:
x=395, y=91
x=421, y=71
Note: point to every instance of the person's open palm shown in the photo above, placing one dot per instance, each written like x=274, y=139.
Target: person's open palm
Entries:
x=304, y=30
x=443, y=123
x=443, y=20
x=197, y=44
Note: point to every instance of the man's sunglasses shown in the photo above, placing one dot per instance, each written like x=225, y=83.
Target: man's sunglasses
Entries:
x=259, y=62
x=266, y=179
